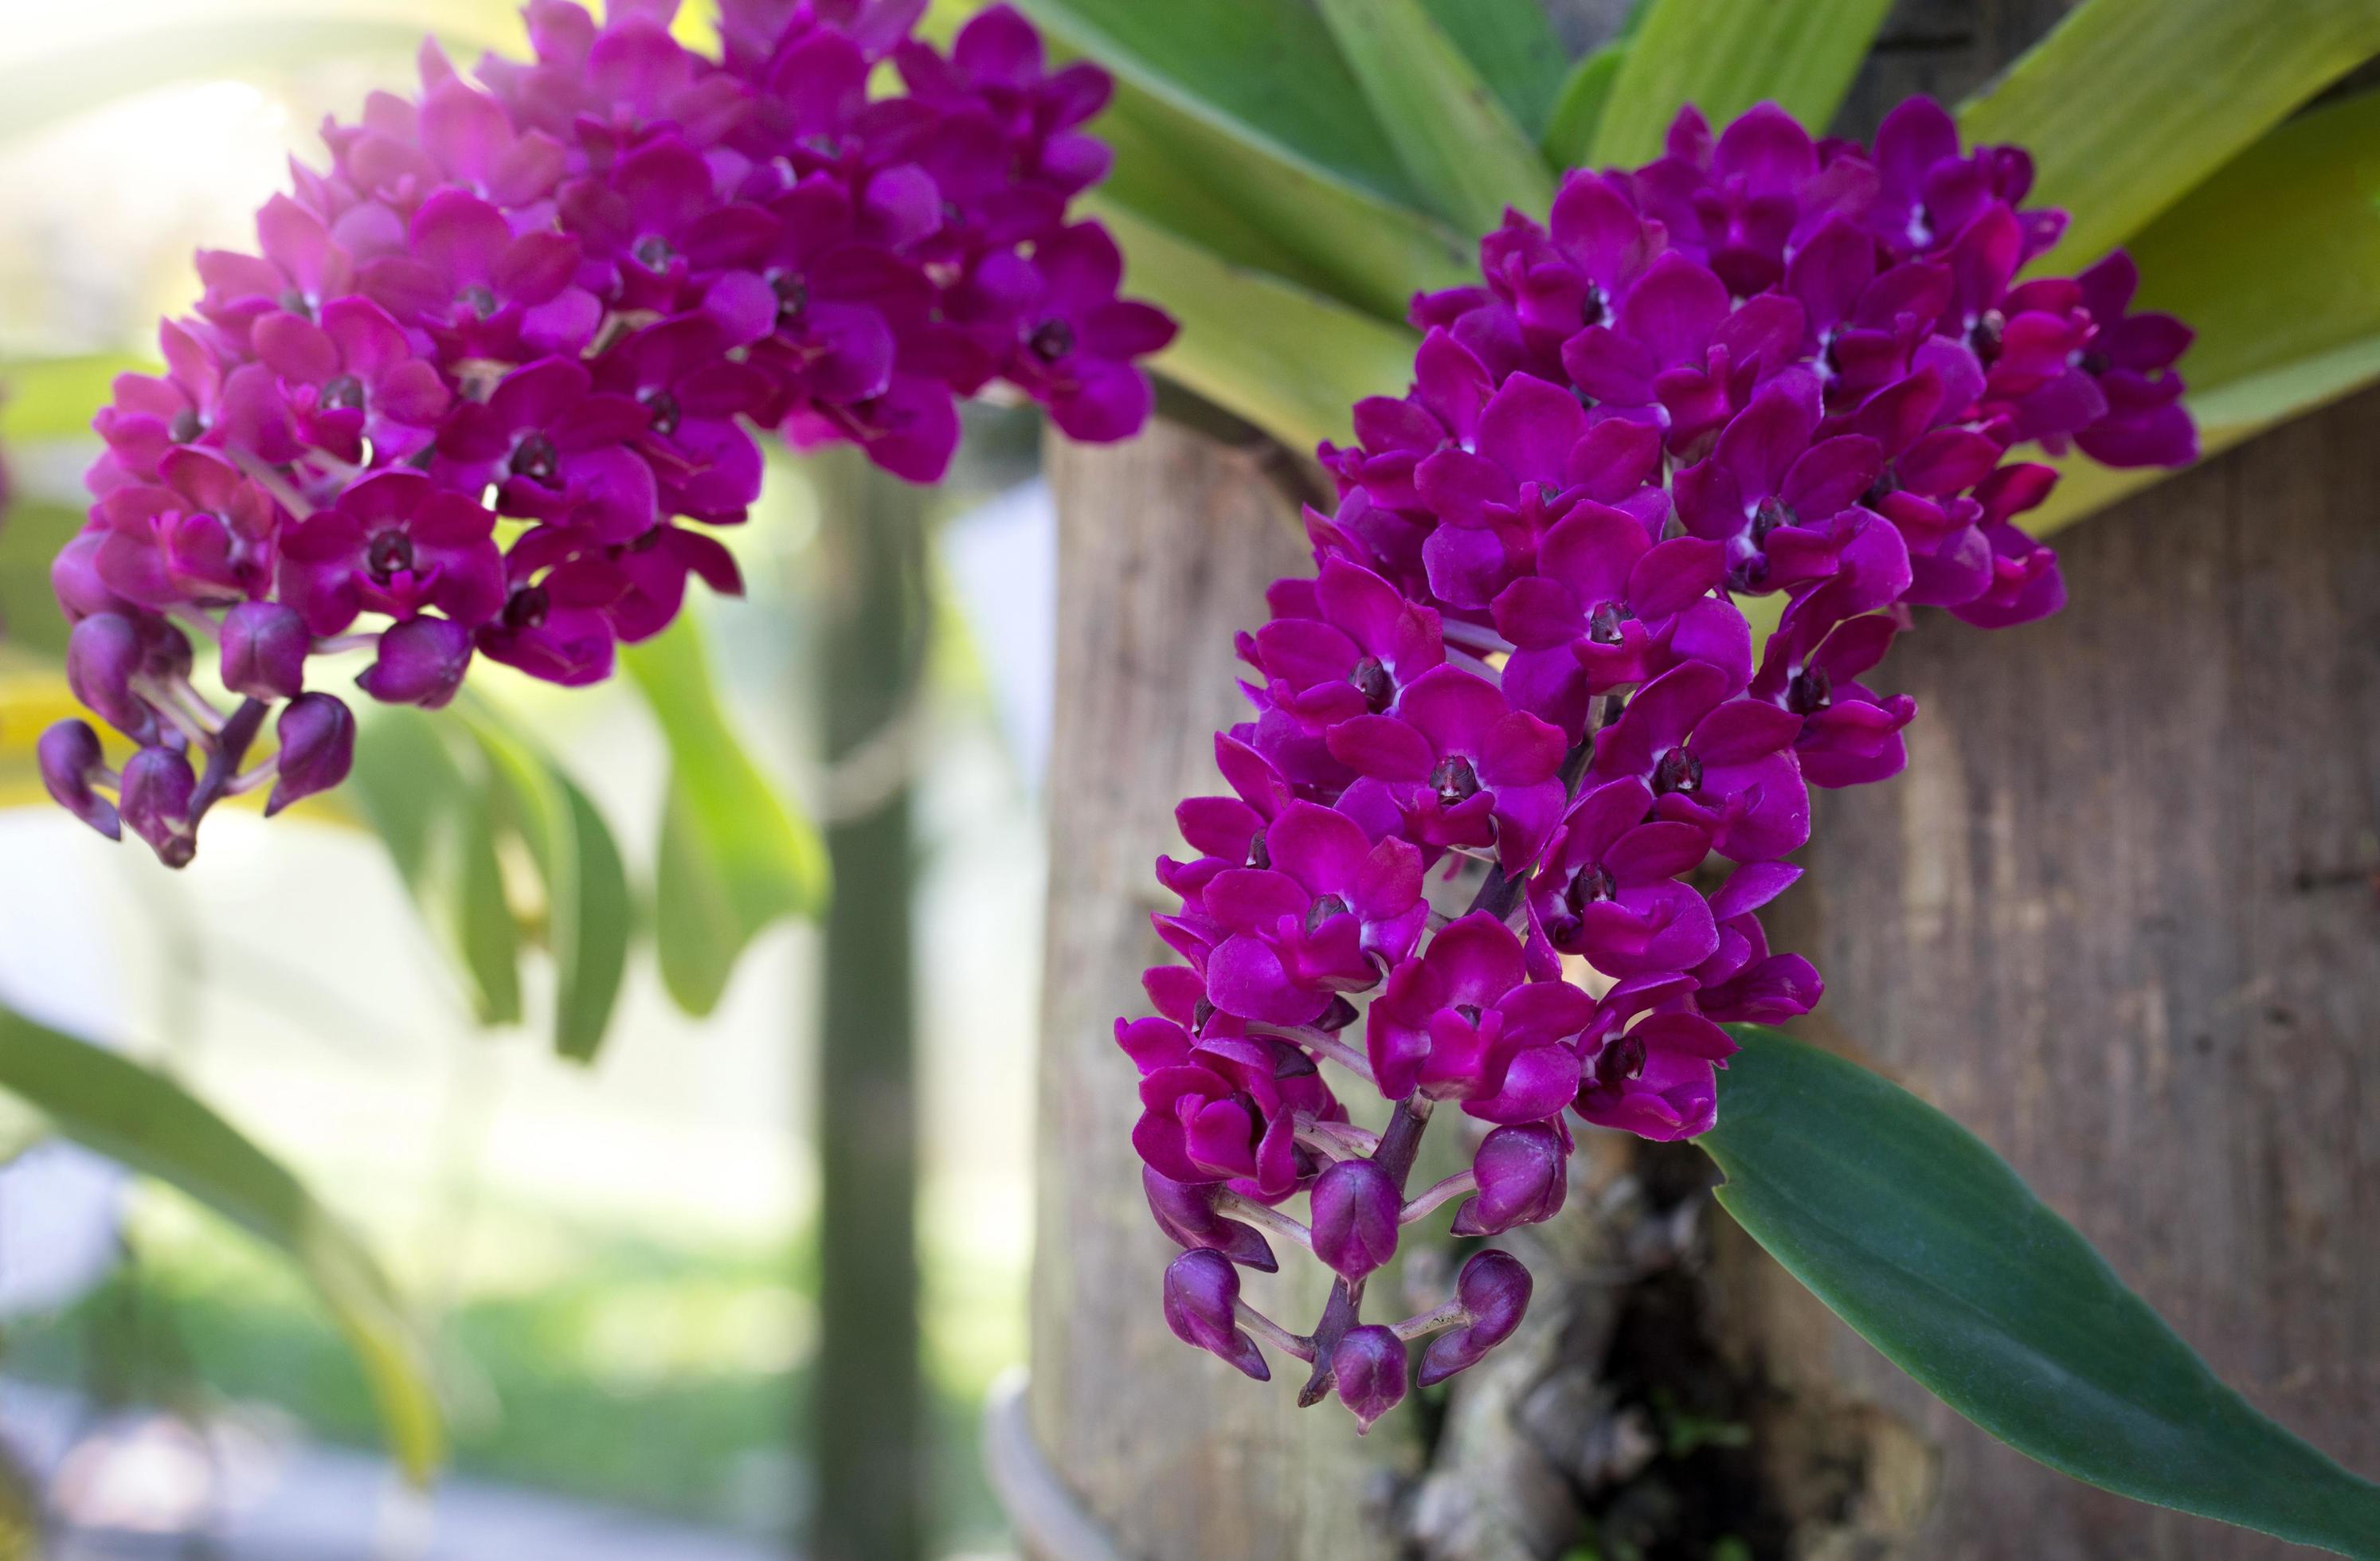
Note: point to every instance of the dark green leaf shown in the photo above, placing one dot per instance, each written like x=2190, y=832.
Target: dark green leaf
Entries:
x=1462, y=152
x=152, y=1124
x=1238, y=121
x=1513, y=48
x=1924, y=1240
x=2130, y=104
x=1288, y=360
x=734, y=854
x=1725, y=55
x=588, y=913
x=438, y=823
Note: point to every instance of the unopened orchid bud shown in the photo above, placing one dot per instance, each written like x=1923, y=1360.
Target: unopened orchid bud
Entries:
x=317, y=745
x=155, y=801
x=1186, y=1211
x=1494, y=1292
x=1370, y=1367
x=1524, y=1176
x=74, y=575
x=1200, y=1289
x=264, y=649
x=70, y=757
x=1354, y=1217
x=104, y=653
x=422, y=662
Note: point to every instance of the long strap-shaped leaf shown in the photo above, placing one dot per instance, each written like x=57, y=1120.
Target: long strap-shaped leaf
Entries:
x=2276, y=261
x=152, y=1124
x=1243, y=106
x=1288, y=360
x=734, y=855
x=2128, y=104
x=1465, y=156
x=1513, y=46
x=1924, y=1240
x=1723, y=57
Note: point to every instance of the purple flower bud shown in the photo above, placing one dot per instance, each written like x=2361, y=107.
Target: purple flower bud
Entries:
x=1522, y=1179
x=70, y=757
x=318, y=745
x=1356, y=1209
x=74, y=576
x=1370, y=1367
x=104, y=655
x=1186, y=1213
x=155, y=800
x=422, y=662
x=264, y=649
x=1200, y=1287
x=1494, y=1288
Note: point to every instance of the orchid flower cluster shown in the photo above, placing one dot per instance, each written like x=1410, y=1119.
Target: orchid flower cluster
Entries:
x=519, y=330
x=1762, y=365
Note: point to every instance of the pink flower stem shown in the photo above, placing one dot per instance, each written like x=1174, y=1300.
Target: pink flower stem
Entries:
x=1461, y=1184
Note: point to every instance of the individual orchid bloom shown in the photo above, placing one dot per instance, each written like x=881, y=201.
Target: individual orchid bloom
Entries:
x=558, y=451
x=352, y=380
x=1609, y=890
x=1740, y=203
x=1651, y=1061
x=1343, y=644
x=1850, y=735
x=1071, y=340
x=1565, y=276
x=1743, y=983
x=482, y=289
x=1464, y=1022
x=395, y=543
x=1460, y=767
x=204, y=534
x=1679, y=352
x=1771, y=495
x=2026, y=582
x=1328, y=913
x=1225, y=1108
x=2130, y=359
x=1724, y=763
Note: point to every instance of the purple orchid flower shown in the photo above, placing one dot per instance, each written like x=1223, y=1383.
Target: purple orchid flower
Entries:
x=1724, y=763
x=1464, y=1022
x=1458, y=767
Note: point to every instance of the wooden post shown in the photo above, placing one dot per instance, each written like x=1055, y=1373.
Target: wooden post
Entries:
x=2121, y=917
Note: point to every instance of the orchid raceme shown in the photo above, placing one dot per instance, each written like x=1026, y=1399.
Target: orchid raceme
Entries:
x=489, y=363
x=1516, y=786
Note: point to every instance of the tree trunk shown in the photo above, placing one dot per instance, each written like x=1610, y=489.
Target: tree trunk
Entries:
x=2121, y=917
x=868, y=1422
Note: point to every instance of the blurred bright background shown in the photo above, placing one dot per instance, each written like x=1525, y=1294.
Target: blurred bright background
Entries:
x=618, y=1261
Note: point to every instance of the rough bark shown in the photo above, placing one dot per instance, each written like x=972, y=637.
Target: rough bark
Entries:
x=1165, y=547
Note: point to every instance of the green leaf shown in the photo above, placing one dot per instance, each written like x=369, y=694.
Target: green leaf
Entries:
x=2271, y=262
x=47, y=398
x=588, y=915
x=1924, y=1240
x=1290, y=361
x=439, y=825
x=1513, y=46
x=1237, y=120
x=734, y=854
x=1570, y=128
x=150, y=1123
x=2128, y=104
x=1464, y=153
x=1725, y=55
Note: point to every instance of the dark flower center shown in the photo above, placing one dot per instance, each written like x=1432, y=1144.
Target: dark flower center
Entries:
x=1887, y=483
x=1322, y=910
x=1200, y=1012
x=297, y=303
x=792, y=294
x=527, y=609
x=1622, y=1057
x=1338, y=1016
x=480, y=299
x=1603, y=625
x=653, y=253
x=536, y=459
x=1678, y=771
x=1986, y=333
x=1809, y=690
x=346, y=390
x=2093, y=363
x=185, y=427
x=1372, y=680
x=389, y=553
x=1455, y=782
x=1260, y=853
x=1470, y=1012
x=1750, y=574
x=1593, y=308
x=1589, y=885
x=664, y=409
x=1051, y=340
x=1771, y=514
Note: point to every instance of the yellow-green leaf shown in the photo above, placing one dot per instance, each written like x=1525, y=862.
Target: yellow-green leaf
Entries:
x=2128, y=104
x=1725, y=55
